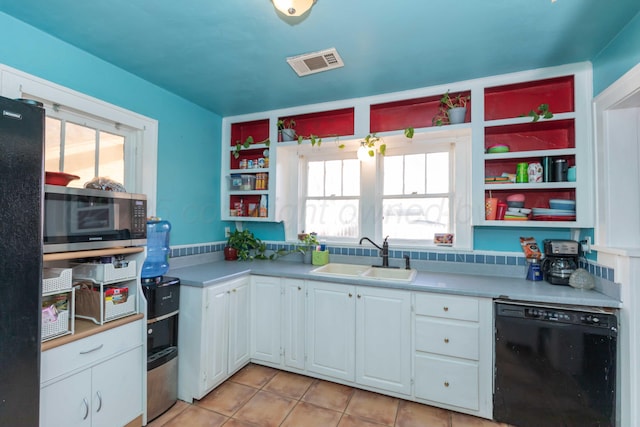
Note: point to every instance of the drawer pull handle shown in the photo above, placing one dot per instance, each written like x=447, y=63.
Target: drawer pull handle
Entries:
x=446, y=340
x=92, y=350
x=445, y=308
x=86, y=408
x=446, y=383
x=99, y=401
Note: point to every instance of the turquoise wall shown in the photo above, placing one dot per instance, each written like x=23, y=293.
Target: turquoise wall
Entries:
x=188, y=135
x=620, y=55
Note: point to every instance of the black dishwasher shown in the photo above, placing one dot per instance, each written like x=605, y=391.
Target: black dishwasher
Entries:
x=555, y=366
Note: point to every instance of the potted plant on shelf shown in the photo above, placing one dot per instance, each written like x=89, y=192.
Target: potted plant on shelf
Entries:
x=286, y=128
x=452, y=109
x=244, y=245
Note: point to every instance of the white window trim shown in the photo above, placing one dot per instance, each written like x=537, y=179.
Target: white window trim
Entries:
x=371, y=195
x=144, y=148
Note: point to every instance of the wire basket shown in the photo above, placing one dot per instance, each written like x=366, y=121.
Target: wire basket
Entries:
x=56, y=279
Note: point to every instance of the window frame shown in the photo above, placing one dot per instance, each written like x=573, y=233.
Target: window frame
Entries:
x=370, y=222
x=142, y=148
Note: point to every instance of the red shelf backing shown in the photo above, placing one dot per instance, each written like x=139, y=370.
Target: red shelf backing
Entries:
x=324, y=123
x=258, y=129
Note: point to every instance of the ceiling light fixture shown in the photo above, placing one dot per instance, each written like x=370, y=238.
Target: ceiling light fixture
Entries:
x=293, y=7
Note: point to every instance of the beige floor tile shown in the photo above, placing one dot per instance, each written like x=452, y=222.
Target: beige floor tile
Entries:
x=288, y=385
x=373, y=406
x=328, y=395
x=176, y=409
x=307, y=415
x=463, y=420
x=227, y=398
x=197, y=417
x=237, y=423
x=411, y=414
x=265, y=409
x=255, y=376
x=351, y=421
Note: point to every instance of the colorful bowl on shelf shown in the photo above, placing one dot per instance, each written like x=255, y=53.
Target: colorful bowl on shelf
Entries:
x=498, y=148
x=562, y=204
x=59, y=178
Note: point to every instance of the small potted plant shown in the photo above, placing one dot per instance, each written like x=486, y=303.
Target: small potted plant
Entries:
x=452, y=109
x=306, y=245
x=286, y=128
x=243, y=245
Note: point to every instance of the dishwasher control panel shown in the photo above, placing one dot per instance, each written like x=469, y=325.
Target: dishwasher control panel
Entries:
x=559, y=315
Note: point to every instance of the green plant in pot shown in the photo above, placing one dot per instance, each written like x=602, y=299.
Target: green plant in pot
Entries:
x=244, y=245
x=453, y=109
x=306, y=244
x=286, y=128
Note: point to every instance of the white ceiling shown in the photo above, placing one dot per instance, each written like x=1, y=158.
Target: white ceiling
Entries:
x=229, y=56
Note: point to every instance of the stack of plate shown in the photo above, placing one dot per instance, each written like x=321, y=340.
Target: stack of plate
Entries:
x=560, y=210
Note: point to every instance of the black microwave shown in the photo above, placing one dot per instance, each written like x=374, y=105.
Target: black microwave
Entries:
x=80, y=219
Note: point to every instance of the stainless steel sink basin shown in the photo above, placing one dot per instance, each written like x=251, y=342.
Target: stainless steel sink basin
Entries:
x=365, y=272
x=391, y=274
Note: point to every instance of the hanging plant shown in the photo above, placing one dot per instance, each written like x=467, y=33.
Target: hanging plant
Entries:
x=246, y=144
x=371, y=140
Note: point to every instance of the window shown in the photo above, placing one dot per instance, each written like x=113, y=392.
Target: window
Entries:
x=86, y=150
x=416, y=194
x=417, y=189
x=89, y=137
x=332, y=205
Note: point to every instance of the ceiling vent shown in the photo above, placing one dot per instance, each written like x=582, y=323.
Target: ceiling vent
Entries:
x=314, y=62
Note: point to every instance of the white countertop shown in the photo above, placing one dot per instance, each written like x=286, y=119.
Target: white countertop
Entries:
x=210, y=273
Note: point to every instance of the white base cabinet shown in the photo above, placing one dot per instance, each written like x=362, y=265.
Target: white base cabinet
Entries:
x=213, y=337
x=360, y=334
x=104, y=388
x=278, y=319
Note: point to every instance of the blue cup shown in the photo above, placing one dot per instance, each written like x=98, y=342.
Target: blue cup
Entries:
x=571, y=174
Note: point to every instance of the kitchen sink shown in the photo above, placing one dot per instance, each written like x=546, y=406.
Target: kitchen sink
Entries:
x=392, y=274
x=365, y=272
x=337, y=269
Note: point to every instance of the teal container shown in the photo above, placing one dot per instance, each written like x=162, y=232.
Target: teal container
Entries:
x=157, y=262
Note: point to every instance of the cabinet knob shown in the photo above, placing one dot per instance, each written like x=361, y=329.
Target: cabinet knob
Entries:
x=234, y=290
x=446, y=383
x=299, y=288
x=445, y=308
x=350, y=294
x=446, y=340
x=359, y=296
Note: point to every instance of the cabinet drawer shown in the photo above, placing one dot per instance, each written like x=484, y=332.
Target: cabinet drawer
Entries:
x=87, y=351
x=447, y=337
x=447, y=381
x=448, y=307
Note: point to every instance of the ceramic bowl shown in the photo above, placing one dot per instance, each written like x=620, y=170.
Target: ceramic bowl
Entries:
x=564, y=204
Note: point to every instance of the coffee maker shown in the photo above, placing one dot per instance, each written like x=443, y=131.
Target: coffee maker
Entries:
x=560, y=260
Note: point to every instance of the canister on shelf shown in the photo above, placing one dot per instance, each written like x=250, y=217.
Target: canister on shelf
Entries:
x=243, y=164
x=535, y=172
x=559, y=170
x=521, y=173
x=547, y=169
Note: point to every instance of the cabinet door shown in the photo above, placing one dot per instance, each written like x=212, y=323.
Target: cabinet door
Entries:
x=215, y=330
x=383, y=339
x=239, y=324
x=293, y=323
x=117, y=390
x=331, y=330
x=265, y=312
x=67, y=402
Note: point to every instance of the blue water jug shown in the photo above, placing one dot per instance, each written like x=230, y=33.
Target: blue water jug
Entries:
x=157, y=261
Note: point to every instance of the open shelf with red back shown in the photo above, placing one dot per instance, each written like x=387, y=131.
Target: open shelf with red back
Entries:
x=257, y=129
x=324, y=124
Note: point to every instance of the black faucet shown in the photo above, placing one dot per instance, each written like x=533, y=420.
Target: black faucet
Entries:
x=384, y=250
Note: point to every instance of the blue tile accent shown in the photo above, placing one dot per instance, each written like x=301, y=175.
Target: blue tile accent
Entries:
x=500, y=259
x=441, y=257
x=469, y=258
x=490, y=259
x=451, y=257
x=522, y=261
x=511, y=260
x=433, y=256
x=423, y=256
x=479, y=259
x=598, y=271
x=459, y=257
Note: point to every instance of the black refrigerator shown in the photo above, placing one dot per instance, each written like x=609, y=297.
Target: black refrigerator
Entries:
x=21, y=176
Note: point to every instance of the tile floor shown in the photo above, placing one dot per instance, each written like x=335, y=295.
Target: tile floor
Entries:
x=258, y=396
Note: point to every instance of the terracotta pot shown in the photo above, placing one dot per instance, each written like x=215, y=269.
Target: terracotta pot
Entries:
x=230, y=254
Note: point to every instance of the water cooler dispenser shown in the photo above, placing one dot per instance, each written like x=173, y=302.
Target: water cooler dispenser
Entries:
x=163, y=301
